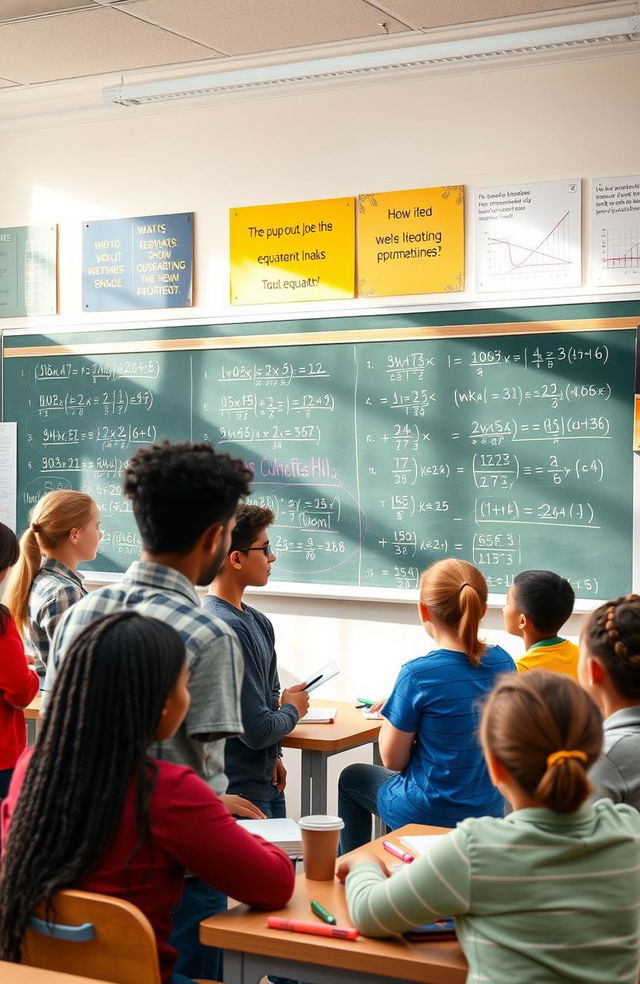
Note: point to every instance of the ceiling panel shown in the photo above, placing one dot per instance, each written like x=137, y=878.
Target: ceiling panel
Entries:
x=239, y=27
x=426, y=14
x=28, y=8
x=89, y=42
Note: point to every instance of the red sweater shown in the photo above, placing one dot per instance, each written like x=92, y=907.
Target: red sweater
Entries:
x=18, y=687
x=191, y=830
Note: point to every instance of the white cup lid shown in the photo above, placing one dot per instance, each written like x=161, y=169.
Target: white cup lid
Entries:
x=320, y=822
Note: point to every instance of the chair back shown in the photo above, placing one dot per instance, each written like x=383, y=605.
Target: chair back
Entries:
x=94, y=936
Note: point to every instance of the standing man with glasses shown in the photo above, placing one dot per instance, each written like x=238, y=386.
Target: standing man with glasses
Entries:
x=253, y=761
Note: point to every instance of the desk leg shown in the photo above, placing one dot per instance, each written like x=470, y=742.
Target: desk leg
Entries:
x=313, y=798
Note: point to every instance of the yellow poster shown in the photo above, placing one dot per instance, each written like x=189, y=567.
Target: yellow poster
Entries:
x=299, y=251
x=411, y=242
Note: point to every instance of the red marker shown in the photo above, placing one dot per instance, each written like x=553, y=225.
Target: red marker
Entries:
x=315, y=929
x=397, y=853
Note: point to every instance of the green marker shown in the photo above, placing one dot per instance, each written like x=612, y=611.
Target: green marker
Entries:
x=367, y=703
x=319, y=910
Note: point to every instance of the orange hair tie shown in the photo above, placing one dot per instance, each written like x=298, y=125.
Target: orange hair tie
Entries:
x=557, y=758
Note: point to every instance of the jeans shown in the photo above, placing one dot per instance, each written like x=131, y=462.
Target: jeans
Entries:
x=275, y=809
x=357, y=800
x=180, y=979
x=199, y=901
x=5, y=779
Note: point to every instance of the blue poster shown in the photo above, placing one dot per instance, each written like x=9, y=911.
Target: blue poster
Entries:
x=140, y=262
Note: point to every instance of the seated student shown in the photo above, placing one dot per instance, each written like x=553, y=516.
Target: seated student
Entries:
x=252, y=762
x=429, y=736
x=551, y=892
x=18, y=683
x=117, y=821
x=538, y=605
x=609, y=669
x=64, y=531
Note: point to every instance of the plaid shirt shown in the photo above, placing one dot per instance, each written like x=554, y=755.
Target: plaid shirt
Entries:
x=54, y=590
x=213, y=654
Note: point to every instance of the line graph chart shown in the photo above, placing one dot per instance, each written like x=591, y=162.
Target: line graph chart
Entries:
x=528, y=238
x=615, y=230
x=621, y=248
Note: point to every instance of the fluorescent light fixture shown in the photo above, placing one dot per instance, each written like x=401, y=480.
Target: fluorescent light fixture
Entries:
x=437, y=53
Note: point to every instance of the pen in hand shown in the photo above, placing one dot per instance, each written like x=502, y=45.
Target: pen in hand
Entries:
x=315, y=680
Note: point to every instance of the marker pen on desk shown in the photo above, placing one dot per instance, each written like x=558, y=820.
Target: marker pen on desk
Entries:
x=397, y=852
x=364, y=702
x=314, y=929
x=315, y=680
x=322, y=913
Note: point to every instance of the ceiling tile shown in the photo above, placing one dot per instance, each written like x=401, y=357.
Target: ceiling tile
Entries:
x=9, y=9
x=89, y=42
x=239, y=27
x=440, y=13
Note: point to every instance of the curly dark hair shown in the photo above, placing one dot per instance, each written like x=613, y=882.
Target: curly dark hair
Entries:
x=250, y=520
x=105, y=709
x=178, y=490
x=612, y=635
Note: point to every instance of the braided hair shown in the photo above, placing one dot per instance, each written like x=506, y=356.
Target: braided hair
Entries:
x=612, y=635
x=104, y=712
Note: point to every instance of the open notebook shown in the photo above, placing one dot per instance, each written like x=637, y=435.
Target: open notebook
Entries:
x=319, y=715
x=283, y=832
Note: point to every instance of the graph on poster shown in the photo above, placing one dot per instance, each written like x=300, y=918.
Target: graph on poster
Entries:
x=615, y=231
x=528, y=237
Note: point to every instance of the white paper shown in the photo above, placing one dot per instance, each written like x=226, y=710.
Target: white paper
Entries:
x=319, y=715
x=284, y=832
x=326, y=673
x=420, y=843
x=8, y=474
x=528, y=236
x=615, y=231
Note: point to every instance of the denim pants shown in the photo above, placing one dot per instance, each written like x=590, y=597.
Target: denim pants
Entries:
x=199, y=901
x=357, y=801
x=275, y=809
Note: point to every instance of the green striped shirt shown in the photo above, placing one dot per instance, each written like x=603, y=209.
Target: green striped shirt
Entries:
x=539, y=897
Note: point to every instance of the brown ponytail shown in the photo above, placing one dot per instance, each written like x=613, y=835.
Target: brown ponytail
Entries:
x=51, y=520
x=529, y=720
x=455, y=592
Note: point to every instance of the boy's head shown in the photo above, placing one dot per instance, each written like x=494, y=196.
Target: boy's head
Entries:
x=610, y=649
x=181, y=491
x=250, y=555
x=539, y=601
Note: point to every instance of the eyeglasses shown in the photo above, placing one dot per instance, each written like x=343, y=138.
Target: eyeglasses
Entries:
x=266, y=550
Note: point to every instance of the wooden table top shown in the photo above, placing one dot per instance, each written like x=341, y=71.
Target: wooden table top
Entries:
x=11, y=973
x=32, y=711
x=245, y=929
x=350, y=729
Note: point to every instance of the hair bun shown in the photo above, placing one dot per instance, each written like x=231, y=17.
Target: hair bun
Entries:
x=35, y=527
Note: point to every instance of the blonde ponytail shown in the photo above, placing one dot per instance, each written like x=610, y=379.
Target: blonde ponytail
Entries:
x=455, y=592
x=51, y=520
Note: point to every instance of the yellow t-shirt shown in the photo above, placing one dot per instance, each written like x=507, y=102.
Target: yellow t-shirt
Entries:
x=556, y=654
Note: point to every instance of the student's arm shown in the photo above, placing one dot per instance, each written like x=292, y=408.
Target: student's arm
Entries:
x=395, y=746
x=51, y=612
x=18, y=683
x=436, y=884
x=607, y=781
x=200, y=833
x=263, y=726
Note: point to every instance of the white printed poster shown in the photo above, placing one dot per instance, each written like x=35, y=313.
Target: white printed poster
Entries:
x=615, y=231
x=528, y=236
x=8, y=474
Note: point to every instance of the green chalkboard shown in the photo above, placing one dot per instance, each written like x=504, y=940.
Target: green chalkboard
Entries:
x=380, y=443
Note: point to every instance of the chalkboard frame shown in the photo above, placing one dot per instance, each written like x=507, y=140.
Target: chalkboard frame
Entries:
x=471, y=321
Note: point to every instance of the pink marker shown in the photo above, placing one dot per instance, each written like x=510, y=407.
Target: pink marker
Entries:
x=397, y=853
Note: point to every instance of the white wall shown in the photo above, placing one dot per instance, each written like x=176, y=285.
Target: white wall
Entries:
x=545, y=122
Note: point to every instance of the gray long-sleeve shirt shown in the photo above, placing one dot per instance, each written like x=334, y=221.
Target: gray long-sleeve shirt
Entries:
x=616, y=774
x=249, y=760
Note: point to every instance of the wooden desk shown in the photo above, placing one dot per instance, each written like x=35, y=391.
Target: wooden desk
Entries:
x=11, y=973
x=32, y=711
x=319, y=741
x=252, y=950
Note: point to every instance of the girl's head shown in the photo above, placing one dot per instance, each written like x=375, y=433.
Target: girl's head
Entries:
x=122, y=684
x=610, y=649
x=62, y=522
x=546, y=732
x=453, y=595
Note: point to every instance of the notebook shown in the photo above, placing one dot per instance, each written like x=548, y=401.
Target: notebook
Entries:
x=284, y=832
x=319, y=715
x=420, y=843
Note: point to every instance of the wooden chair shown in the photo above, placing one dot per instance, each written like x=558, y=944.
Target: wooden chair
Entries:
x=95, y=936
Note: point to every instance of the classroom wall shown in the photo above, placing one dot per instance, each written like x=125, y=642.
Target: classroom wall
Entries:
x=534, y=123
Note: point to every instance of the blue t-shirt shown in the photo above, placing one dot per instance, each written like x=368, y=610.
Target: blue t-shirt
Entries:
x=439, y=697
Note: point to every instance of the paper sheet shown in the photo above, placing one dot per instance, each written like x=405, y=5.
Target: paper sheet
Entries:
x=326, y=673
x=8, y=474
x=420, y=843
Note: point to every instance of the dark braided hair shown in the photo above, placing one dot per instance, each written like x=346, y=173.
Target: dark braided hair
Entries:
x=612, y=635
x=105, y=709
